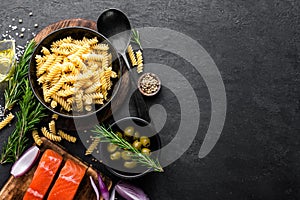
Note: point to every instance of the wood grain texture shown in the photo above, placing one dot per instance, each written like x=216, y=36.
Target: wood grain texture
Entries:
x=15, y=188
x=68, y=123
x=62, y=24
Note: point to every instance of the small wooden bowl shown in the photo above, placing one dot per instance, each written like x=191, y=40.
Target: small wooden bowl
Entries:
x=140, y=84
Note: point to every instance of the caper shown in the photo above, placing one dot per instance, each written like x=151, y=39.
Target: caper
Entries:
x=129, y=131
x=130, y=164
x=126, y=155
x=137, y=144
x=145, y=141
x=115, y=156
x=146, y=151
x=136, y=135
x=119, y=134
x=111, y=147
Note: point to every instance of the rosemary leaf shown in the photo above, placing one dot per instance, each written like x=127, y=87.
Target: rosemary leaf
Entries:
x=30, y=114
x=106, y=135
x=31, y=111
x=136, y=38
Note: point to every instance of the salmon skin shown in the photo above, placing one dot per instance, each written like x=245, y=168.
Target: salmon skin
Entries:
x=67, y=182
x=43, y=175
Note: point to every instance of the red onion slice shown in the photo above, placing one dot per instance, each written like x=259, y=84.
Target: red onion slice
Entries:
x=103, y=188
x=25, y=162
x=95, y=187
x=130, y=192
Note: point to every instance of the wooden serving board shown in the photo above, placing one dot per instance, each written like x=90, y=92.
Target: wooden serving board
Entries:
x=68, y=123
x=15, y=188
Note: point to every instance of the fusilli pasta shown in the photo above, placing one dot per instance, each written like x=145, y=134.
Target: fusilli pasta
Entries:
x=66, y=136
x=49, y=135
x=71, y=66
x=131, y=55
x=6, y=120
x=140, y=65
x=92, y=146
x=52, y=128
x=37, y=139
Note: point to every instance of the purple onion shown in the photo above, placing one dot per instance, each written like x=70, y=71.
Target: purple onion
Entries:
x=130, y=192
x=103, y=188
x=25, y=162
x=94, y=187
x=113, y=194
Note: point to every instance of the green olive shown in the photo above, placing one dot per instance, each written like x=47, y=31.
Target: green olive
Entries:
x=119, y=134
x=146, y=151
x=111, y=147
x=115, y=156
x=129, y=131
x=136, y=135
x=126, y=155
x=137, y=144
x=145, y=141
x=129, y=164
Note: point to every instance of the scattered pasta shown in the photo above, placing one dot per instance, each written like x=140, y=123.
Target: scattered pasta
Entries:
x=37, y=138
x=6, y=120
x=140, y=65
x=50, y=136
x=131, y=55
x=93, y=146
x=66, y=136
x=72, y=69
x=55, y=116
x=52, y=128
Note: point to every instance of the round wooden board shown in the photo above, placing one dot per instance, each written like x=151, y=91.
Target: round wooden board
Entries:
x=68, y=123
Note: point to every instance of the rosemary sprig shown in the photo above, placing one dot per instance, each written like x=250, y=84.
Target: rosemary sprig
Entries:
x=136, y=38
x=30, y=114
x=106, y=135
x=14, y=92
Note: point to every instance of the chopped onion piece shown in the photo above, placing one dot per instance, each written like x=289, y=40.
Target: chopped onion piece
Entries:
x=103, y=188
x=25, y=162
x=94, y=187
x=113, y=194
x=130, y=192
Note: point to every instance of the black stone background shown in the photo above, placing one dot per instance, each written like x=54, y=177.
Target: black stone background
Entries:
x=255, y=45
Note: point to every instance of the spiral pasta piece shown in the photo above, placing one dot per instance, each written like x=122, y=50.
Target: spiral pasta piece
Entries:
x=50, y=136
x=66, y=136
x=65, y=93
x=52, y=128
x=37, y=139
x=131, y=55
x=62, y=41
x=93, y=88
x=55, y=69
x=50, y=60
x=53, y=104
x=45, y=51
x=6, y=120
x=140, y=65
x=100, y=47
x=96, y=95
x=55, y=88
x=54, y=116
x=93, y=146
x=62, y=102
x=93, y=57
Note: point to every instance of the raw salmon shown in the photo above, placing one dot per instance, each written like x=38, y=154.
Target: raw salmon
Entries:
x=68, y=181
x=43, y=175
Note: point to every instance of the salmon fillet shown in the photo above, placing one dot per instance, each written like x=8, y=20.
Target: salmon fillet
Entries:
x=68, y=181
x=43, y=175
